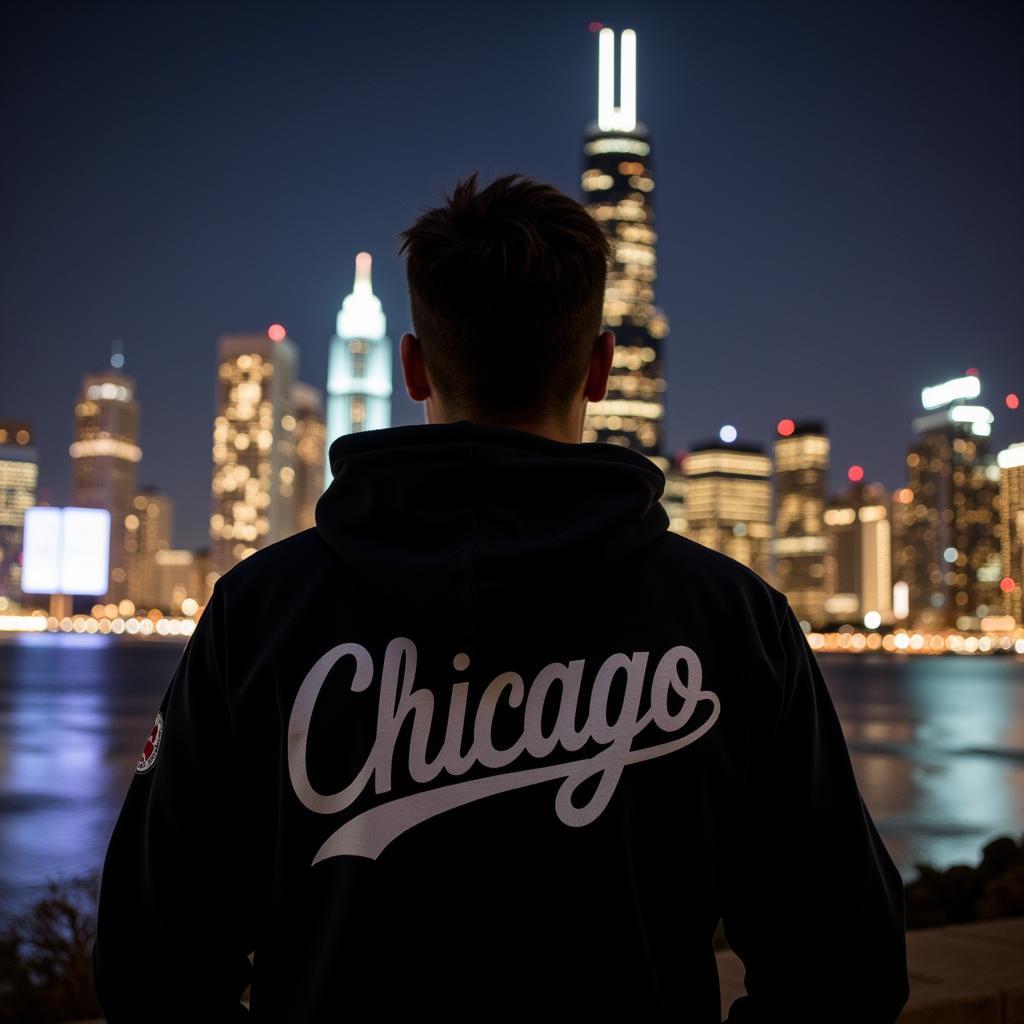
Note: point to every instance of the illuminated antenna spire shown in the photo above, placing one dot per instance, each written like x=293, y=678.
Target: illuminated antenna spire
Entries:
x=361, y=314
x=117, y=354
x=364, y=264
x=621, y=118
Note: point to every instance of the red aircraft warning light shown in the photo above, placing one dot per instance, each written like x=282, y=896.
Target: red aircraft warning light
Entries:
x=275, y=332
x=855, y=474
x=1012, y=401
x=1007, y=584
x=972, y=371
x=785, y=427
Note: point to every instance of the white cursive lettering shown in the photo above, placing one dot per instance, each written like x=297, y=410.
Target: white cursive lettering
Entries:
x=369, y=833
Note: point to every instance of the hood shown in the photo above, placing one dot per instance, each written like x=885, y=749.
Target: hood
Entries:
x=475, y=513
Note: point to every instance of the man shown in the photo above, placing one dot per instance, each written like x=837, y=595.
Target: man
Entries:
x=489, y=742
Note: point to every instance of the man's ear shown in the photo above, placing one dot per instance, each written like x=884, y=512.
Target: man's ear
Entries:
x=600, y=367
x=413, y=369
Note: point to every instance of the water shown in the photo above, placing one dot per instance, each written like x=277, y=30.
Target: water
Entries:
x=937, y=745
x=74, y=713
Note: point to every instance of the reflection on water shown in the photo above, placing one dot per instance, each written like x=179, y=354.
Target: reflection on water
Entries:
x=938, y=747
x=74, y=713
x=937, y=744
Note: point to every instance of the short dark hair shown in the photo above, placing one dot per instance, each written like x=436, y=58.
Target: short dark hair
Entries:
x=506, y=288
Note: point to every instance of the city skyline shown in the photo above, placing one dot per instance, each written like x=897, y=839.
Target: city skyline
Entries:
x=838, y=478
x=932, y=260
x=957, y=527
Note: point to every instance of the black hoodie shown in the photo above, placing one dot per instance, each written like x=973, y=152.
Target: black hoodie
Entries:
x=491, y=743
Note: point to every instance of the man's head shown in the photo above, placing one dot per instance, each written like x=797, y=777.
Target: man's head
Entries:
x=506, y=287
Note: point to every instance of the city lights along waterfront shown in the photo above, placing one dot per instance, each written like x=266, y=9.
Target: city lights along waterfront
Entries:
x=937, y=745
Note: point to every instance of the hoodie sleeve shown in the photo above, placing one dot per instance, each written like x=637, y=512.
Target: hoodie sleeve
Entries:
x=813, y=904
x=173, y=926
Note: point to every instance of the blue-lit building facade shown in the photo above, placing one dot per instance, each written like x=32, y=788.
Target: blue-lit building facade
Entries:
x=358, y=364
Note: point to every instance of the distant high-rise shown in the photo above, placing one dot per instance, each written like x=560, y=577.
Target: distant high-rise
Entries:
x=859, y=559
x=201, y=577
x=801, y=488
x=310, y=448
x=674, y=498
x=19, y=472
x=618, y=184
x=181, y=575
x=358, y=364
x=254, y=501
x=176, y=578
x=149, y=529
x=1011, y=529
x=947, y=549
x=728, y=494
x=104, y=459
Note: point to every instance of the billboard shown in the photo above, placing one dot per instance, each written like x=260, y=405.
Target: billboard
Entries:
x=66, y=551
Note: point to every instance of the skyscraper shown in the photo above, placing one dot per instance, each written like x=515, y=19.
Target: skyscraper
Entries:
x=176, y=578
x=859, y=555
x=1011, y=529
x=201, y=577
x=674, y=498
x=149, y=529
x=358, y=364
x=617, y=183
x=947, y=549
x=801, y=488
x=310, y=449
x=728, y=496
x=104, y=460
x=254, y=501
x=19, y=472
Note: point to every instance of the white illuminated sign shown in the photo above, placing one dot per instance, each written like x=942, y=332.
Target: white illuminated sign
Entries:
x=66, y=551
x=970, y=414
x=40, y=569
x=942, y=394
x=901, y=599
x=1012, y=457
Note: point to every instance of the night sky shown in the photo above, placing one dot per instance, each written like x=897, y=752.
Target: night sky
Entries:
x=840, y=198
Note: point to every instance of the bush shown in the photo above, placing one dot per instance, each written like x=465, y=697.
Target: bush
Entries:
x=46, y=956
x=961, y=893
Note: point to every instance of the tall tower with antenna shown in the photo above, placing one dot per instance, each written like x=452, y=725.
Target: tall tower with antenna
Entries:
x=618, y=190
x=105, y=454
x=358, y=364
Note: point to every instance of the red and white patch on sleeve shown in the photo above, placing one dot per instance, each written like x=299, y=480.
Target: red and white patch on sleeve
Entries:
x=148, y=757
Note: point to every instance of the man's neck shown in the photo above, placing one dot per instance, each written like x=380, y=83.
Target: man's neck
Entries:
x=556, y=431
